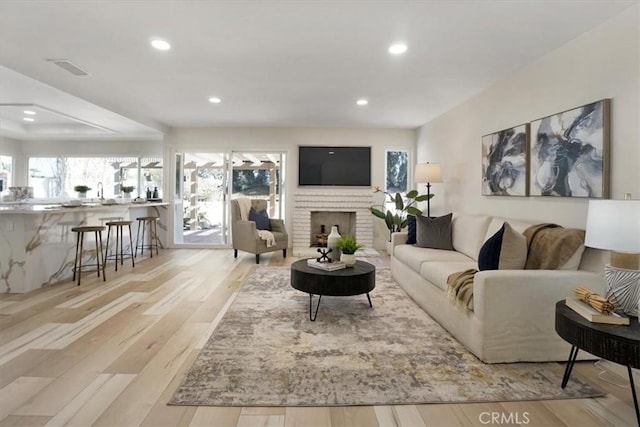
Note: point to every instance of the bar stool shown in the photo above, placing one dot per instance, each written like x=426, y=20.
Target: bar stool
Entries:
x=119, y=226
x=77, y=264
x=152, y=223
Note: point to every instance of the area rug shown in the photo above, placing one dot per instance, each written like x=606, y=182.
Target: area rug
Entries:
x=266, y=352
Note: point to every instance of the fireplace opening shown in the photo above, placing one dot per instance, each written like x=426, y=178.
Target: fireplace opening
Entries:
x=322, y=221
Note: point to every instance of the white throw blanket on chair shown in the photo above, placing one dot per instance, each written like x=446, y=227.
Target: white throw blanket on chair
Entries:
x=268, y=237
x=245, y=206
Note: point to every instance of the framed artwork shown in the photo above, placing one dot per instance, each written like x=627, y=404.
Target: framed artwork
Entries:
x=504, y=162
x=570, y=153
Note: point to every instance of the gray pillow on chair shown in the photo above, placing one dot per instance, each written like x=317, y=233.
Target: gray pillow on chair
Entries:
x=434, y=233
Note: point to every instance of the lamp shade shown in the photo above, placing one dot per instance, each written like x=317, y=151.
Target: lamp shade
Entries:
x=428, y=172
x=614, y=225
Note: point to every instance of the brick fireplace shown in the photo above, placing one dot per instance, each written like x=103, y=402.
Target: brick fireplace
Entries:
x=355, y=204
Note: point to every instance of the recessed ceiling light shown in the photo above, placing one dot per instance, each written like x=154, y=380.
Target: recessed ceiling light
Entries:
x=362, y=102
x=29, y=112
x=160, y=44
x=29, y=119
x=397, y=48
x=215, y=100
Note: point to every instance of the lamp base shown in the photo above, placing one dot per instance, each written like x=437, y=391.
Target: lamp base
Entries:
x=623, y=288
x=625, y=260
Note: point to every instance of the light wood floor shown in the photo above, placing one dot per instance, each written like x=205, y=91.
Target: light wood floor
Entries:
x=112, y=354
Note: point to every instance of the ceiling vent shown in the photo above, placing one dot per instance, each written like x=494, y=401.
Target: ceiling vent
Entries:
x=69, y=66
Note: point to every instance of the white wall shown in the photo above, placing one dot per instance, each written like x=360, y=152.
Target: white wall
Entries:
x=287, y=140
x=603, y=63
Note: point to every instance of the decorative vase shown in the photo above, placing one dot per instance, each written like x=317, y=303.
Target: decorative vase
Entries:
x=82, y=195
x=332, y=243
x=348, y=259
x=126, y=195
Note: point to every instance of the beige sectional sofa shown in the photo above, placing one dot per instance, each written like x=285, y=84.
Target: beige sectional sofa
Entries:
x=514, y=310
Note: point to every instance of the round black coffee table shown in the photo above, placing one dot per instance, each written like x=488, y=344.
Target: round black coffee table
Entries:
x=356, y=280
x=617, y=343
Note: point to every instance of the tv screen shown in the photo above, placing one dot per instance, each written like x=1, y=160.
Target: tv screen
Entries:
x=343, y=166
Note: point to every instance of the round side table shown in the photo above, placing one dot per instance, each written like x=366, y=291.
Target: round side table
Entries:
x=617, y=343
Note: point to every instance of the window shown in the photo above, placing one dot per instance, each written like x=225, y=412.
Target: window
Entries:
x=53, y=177
x=6, y=172
x=396, y=171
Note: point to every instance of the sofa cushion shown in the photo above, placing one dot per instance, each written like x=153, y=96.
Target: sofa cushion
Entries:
x=413, y=256
x=468, y=233
x=434, y=233
x=260, y=218
x=505, y=250
x=437, y=272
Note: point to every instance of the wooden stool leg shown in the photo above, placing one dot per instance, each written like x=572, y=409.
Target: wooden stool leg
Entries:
x=121, y=244
x=144, y=226
x=117, y=233
x=155, y=236
x=80, y=260
x=133, y=263
x=138, y=237
x=106, y=251
x=98, y=253
x=104, y=271
x=75, y=260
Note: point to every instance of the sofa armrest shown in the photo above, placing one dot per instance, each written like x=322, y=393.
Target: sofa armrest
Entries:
x=399, y=238
x=513, y=295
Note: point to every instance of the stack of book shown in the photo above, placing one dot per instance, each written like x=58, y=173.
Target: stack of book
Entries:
x=593, y=315
x=327, y=266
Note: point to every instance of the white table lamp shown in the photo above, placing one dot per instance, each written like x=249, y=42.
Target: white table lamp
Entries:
x=614, y=225
x=428, y=173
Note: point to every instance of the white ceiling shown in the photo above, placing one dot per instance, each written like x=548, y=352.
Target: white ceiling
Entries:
x=273, y=63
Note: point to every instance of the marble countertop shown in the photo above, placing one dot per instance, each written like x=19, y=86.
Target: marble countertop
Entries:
x=28, y=208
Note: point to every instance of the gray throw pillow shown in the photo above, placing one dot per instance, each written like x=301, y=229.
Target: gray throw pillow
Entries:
x=434, y=233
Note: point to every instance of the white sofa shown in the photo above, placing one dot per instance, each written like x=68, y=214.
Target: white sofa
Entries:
x=514, y=310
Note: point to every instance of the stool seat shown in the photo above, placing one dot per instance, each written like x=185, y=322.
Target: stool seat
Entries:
x=152, y=223
x=78, y=268
x=119, y=254
x=116, y=223
x=88, y=228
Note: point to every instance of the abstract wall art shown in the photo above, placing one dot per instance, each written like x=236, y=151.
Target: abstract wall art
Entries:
x=504, y=162
x=570, y=153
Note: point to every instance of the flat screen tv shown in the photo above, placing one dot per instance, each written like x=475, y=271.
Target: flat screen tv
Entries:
x=341, y=166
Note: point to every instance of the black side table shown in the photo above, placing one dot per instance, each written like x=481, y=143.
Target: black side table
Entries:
x=617, y=343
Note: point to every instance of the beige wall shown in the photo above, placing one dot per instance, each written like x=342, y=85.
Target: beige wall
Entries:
x=603, y=63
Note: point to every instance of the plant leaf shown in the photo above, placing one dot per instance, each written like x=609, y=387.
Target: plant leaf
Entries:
x=412, y=194
x=378, y=213
x=399, y=202
x=414, y=211
x=424, y=197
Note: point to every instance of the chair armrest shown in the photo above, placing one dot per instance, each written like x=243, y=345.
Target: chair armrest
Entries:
x=277, y=225
x=245, y=235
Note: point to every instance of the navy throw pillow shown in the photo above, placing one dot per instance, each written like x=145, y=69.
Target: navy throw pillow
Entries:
x=505, y=250
x=411, y=230
x=489, y=256
x=260, y=218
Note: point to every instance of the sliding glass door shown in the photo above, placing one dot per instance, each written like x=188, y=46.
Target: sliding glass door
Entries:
x=204, y=182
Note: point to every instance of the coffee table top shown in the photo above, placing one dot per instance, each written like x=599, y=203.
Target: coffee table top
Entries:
x=359, y=279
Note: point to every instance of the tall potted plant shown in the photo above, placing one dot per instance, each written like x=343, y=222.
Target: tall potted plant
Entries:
x=396, y=220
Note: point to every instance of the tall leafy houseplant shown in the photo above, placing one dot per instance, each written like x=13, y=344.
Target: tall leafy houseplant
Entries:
x=397, y=220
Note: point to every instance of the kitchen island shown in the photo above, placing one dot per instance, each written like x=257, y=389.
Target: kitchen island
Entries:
x=37, y=246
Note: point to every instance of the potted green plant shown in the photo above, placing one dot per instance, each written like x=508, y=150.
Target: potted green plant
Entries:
x=127, y=189
x=348, y=246
x=397, y=220
x=82, y=190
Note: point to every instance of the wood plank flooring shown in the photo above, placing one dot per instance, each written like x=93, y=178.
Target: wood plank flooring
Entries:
x=112, y=354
